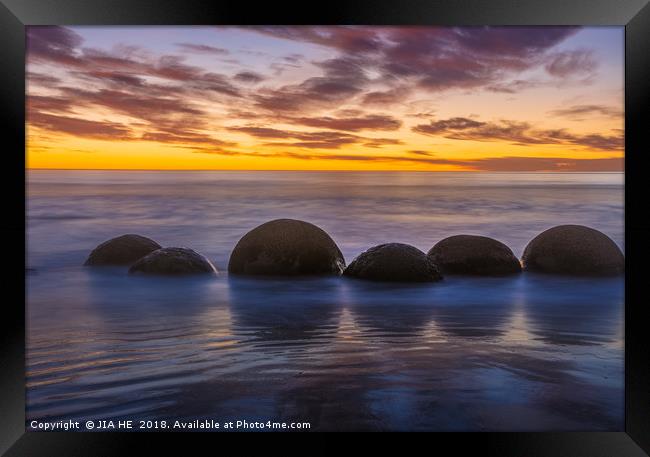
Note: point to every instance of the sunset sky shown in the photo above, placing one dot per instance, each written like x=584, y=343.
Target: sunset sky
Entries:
x=325, y=98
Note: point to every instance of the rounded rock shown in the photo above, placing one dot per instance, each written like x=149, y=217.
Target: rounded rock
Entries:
x=573, y=250
x=286, y=247
x=393, y=262
x=474, y=255
x=173, y=261
x=122, y=250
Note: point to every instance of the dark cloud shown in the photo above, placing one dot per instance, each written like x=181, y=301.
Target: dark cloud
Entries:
x=572, y=63
x=331, y=143
x=421, y=153
x=351, y=124
x=444, y=58
x=580, y=111
x=249, y=77
x=596, y=141
x=262, y=132
x=179, y=127
x=312, y=140
x=512, y=41
x=123, y=64
x=142, y=106
x=455, y=123
x=79, y=127
x=293, y=58
x=315, y=140
x=117, y=80
x=52, y=43
x=381, y=142
x=313, y=92
x=318, y=140
x=202, y=49
x=186, y=137
x=515, y=132
x=172, y=67
x=438, y=58
x=164, y=119
x=347, y=39
x=213, y=82
x=38, y=103
x=42, y=80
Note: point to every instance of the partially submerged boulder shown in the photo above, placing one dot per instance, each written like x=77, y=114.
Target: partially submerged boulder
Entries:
x=122, y=250
x=286, y=247
x=394, y=262
x=474, y=255
x=173, y=261
x=573, y=250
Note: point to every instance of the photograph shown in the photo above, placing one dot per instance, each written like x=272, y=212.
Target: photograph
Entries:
x=325, y=228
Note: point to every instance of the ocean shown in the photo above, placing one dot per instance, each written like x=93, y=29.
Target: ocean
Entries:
x=523, y=353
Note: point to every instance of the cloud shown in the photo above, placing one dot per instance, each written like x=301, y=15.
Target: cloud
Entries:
x=516, y=132
x=142, y=106
x=171, y=99
x=433, y=58
x=580, y=111
x=40, y=79
x=455, y=123
x=421, y=153
x=52, y=43
x=386, y=97
x=262, y=132
x=79, y=127
x=61, y=46
x=342, y=79
x=202, y=49
x=512, y=87
x=511, y=164
x=331, y=143
x=351, y=124
x=547, y=164
x=249, y=77
x=37, y=103
x=381, y=142
x=313, y=140
x=186, y=137
x=348, y=39
x=311, y=93
x=572, y=63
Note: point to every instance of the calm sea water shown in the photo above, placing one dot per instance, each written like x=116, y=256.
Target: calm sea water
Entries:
x=529, y=352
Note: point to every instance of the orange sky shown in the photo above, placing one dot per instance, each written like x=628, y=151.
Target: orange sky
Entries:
x=325, y=98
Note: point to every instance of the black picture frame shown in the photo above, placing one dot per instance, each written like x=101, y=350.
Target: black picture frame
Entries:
x=633, y=14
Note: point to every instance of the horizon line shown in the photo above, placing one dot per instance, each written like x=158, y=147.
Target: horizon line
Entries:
x=323, y=170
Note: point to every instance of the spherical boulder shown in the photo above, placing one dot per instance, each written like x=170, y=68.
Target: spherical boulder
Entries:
x=573, y=250
x=474, y=255
x=173, y=261
x=286, y=247
x=394, y=262
x=122, y=250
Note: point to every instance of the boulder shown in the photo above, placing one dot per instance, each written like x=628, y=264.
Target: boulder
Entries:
x=394, y=262
x=573, y=250
x=173, y=261
x=474, y=255
x=286, y=247
x=122, y=250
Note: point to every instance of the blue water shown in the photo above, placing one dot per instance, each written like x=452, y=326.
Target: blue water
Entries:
x=529, y=352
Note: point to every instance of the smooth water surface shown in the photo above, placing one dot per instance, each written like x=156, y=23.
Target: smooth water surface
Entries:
x=529, y=352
